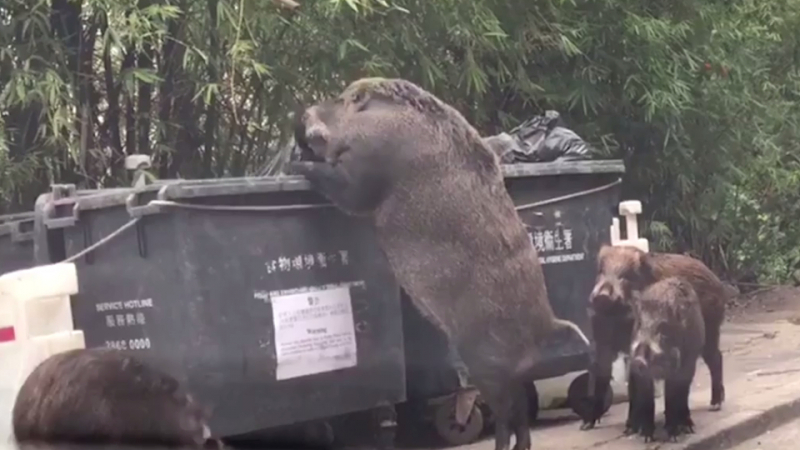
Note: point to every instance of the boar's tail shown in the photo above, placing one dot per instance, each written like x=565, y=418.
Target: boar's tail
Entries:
x=561, y=323
x=562, y=331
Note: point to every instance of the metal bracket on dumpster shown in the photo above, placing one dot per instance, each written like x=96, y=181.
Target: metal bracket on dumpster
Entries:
x=136, y=210
x=61, y=194
x=59, y=191
x=629, y=209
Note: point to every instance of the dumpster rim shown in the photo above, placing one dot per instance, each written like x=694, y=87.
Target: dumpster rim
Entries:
x=523, y=170
x=176, y=189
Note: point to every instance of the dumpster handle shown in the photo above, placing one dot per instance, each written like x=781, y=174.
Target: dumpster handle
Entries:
x=236, y=208
x=568, y=196
x=134, y=221
x=103, y=241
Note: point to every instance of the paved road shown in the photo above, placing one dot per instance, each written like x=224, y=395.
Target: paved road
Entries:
x=785, y=437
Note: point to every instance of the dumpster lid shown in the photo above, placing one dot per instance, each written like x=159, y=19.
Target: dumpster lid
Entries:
x=10, y=223
x=177, y=189
x=16, y=216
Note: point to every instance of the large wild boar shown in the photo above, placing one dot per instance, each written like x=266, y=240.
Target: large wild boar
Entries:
x=668, y=338
x=105, y=396
x=625, y=270
x=389, y=150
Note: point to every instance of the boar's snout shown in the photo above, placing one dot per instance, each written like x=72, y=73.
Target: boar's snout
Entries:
x=311, y=135
x=639, y=366
x=604, y=297
x=649, y=358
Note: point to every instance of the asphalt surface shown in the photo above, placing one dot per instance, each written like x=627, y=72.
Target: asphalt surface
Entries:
x=785, y=437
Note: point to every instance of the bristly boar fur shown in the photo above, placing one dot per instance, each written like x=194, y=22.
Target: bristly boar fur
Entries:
x=105, y=396
x=625, y=270
x=387, y=149
x=668, y=338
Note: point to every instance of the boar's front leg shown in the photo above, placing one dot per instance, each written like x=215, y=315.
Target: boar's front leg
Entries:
x=600, y=371
x=673, y=408
x=645, y=406
x=344, y=185
x=633, y=423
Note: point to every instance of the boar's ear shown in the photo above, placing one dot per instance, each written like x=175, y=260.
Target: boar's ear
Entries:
x=604, y=253
x=645, y=267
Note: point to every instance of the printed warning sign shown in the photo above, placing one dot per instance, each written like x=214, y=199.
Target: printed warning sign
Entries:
x=314, y=332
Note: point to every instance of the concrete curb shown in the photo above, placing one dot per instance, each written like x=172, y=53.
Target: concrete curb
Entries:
x=749, y=423
x=748, y=426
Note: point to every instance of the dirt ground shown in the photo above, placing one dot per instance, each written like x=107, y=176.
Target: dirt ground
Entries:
x=771, y=304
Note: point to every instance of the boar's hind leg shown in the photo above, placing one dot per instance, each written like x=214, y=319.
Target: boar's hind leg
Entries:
x=499, y=395
x=520, y=419
x=713, y=359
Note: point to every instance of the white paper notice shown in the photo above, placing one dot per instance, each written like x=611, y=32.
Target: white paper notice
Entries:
x=314, y=332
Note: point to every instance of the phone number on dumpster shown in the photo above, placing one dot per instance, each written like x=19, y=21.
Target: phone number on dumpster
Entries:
x=130, y=344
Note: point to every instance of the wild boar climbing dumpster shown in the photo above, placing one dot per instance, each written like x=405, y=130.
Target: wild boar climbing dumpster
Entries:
x=567, y=208
x=273, y=307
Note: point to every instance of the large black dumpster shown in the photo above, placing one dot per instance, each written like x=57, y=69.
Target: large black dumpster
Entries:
x=567, y=208
x=199, y=283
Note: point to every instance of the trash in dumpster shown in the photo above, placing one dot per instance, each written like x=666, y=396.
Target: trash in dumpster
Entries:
x=272, y=306
x=539, y=139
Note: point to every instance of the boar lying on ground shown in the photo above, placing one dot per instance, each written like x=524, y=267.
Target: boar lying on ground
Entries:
x=387, y=149
x=625, y=270
x=104, y=396
x=668, y=338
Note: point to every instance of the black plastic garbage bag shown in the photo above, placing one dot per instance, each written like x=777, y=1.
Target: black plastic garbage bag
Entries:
x=539, y=139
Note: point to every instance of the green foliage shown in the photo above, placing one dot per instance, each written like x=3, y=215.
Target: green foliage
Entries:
x=699, y=98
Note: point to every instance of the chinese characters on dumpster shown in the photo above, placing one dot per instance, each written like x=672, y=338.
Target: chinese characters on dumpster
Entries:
x=308, y=261
x=557, y=240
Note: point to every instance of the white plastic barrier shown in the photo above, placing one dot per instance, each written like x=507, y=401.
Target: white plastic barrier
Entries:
x=629, y=209
x=35, y=323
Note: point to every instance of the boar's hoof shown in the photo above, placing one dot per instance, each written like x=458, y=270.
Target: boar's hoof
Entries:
x=715, y=407
x=588, y=425
x=688, y=426
x=631, y=428
x=673, y=431
x=648, y=431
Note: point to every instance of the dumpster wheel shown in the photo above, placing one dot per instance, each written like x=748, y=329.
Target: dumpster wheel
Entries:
x=578, y=396
x=444, y=420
